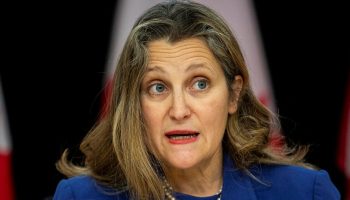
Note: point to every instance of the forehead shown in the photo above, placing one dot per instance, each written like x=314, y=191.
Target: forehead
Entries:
x=192, y=49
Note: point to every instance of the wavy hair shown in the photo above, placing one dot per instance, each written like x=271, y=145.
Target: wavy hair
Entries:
x=116, y=153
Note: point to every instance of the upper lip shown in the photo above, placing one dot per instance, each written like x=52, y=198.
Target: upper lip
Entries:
x=181, y=132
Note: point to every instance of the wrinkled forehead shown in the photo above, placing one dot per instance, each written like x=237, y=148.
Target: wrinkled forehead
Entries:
x=192, y=49
x=189, y=56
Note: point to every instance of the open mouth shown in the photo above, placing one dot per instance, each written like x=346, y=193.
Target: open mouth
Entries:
x=182, y=137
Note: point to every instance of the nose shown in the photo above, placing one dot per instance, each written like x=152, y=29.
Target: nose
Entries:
x=179, y=109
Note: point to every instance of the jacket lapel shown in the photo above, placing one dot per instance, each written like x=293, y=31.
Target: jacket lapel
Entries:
x=237, y=184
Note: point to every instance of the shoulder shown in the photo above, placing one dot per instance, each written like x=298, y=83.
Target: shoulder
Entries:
x=85, y=187
x=297, y=182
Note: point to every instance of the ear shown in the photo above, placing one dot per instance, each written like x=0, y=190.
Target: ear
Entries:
x=236, y=88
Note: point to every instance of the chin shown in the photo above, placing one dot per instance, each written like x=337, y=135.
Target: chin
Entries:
x=181, y=163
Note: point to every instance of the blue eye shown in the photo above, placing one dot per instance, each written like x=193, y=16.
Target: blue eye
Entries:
x=157, y=88
x=201, y=84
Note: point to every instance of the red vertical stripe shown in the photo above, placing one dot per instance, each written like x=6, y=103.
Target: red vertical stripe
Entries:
x=6, y=190
x=344, y=132
x=107, y=93
x=344, y=145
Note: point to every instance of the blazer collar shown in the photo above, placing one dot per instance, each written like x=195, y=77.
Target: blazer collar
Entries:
x=236, y=184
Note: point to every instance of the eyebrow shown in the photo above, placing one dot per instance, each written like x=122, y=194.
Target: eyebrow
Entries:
x=196, y=66
x=155, y=68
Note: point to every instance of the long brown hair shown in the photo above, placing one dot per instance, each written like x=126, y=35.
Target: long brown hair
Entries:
x=115, y=149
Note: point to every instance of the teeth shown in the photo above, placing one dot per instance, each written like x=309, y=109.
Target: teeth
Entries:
x=181, y=137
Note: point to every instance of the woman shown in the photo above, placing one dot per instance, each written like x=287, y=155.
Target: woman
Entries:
x=183, y=122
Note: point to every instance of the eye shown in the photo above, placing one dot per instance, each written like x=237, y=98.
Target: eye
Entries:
x=200, y=84
x=157, y=88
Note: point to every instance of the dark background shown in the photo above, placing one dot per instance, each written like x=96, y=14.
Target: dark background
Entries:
x=54, y=65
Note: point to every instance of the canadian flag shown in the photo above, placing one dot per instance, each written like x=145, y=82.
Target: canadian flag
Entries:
x=6, y=188
x=344, y=141
x=240, y=16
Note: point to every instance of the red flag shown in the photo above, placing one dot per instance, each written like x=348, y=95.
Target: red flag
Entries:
x=344, y=141
x=6, y=189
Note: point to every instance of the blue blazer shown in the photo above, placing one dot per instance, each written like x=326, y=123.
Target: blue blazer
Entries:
x=272, y=182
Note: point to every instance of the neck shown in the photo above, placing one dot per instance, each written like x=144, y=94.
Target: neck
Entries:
x=202, y=180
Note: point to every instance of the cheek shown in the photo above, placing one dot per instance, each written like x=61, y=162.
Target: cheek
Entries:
x=149, y=125
x=153, y=124
x=218, y=106
x=215, y=114
x=152, y=119
x=148, y=116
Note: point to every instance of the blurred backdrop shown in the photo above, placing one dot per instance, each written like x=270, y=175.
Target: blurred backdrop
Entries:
x=56, y=58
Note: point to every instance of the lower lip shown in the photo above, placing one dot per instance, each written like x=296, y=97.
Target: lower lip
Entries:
x=183, y=141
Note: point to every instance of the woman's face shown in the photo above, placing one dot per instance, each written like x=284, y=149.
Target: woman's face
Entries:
x=185, y=103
